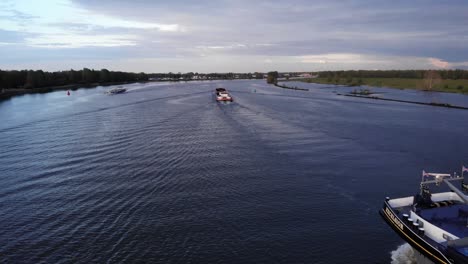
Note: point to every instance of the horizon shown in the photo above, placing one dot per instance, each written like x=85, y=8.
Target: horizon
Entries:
x=233, y=36
x=254, y=72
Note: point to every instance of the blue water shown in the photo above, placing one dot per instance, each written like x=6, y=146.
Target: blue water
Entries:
x=165, y=174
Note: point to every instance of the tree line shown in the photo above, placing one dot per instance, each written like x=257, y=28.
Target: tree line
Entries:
x=30, y=79
x=205, y=76
x=411, y=74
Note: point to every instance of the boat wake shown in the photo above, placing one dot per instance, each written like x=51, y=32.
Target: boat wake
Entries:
x=404, y=254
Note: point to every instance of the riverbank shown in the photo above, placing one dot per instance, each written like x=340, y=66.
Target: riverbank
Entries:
x=448, y=86
x=8, y=93
x=405, y=101
x=291, y=88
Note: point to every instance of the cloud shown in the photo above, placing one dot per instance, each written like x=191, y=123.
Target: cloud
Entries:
x=343, y=58
x=77, y=41
x=298, y=28
x=325, y=34
x=439, y=63
x=68, y=26
x=13, y=37
x=349, y=61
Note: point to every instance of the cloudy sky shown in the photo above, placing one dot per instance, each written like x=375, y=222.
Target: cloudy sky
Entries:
x=233, y=35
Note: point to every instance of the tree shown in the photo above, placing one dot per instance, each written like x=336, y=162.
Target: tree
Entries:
x=272, y=77
x=87, y=76
x=40, y=78
x=34, y=79
x=142, y=76
x=431, y=79
x=30, y=80
x=104, y=75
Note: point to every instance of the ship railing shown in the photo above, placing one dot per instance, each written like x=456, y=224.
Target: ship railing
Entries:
x=433, y=232
x=457, y=191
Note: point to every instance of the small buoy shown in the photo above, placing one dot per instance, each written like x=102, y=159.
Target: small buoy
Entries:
x=68, y=93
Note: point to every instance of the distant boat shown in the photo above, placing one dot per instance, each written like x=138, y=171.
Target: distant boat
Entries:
x=117, y=90
x=222, y=95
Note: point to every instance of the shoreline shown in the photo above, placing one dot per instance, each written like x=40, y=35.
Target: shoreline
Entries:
x=9, y=93
x=459, y=86
x=406, y=101
x=291, y=88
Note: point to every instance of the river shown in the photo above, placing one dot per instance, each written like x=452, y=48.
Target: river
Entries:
x=165, y=174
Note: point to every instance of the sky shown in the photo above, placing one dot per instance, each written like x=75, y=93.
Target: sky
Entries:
x=233, y=35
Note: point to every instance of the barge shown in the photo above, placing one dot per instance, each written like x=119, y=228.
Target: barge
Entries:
x=222, y=95
x=434, y=224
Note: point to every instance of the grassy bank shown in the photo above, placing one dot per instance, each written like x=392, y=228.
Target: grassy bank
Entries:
x=450, y=86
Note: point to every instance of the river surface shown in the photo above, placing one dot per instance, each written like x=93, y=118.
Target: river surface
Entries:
x=165, y=174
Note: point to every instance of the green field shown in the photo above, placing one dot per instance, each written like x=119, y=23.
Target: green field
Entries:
x=450, y=86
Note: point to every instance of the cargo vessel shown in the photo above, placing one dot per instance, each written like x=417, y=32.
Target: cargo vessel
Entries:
x=222, y=95
x=435, y=224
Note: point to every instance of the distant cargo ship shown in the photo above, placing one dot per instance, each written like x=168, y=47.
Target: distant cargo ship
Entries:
x=222, y=95
x=434, y=224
